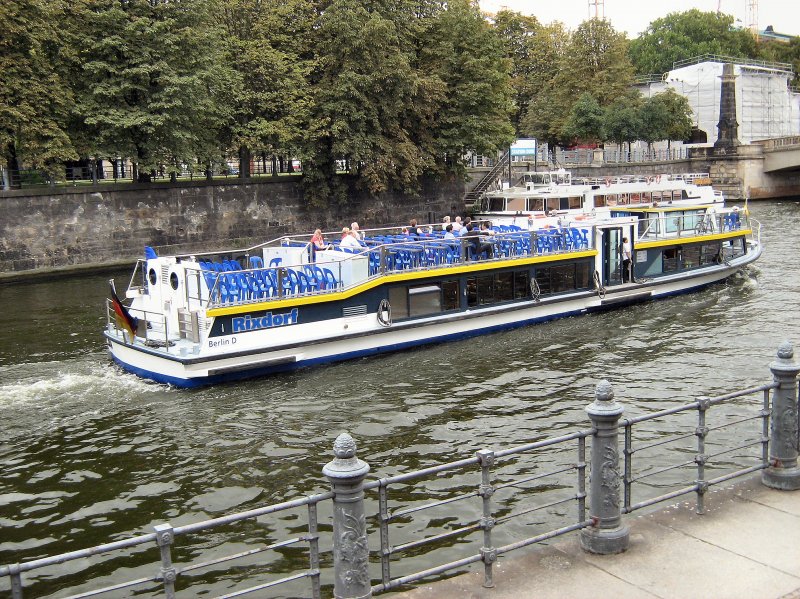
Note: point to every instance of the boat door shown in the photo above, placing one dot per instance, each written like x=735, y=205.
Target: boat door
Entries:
x=612, y=256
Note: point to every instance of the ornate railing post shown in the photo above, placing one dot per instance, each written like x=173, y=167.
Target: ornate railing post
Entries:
x=168, y=574
x=783, y=472
x=607, y=535
x=350, y=549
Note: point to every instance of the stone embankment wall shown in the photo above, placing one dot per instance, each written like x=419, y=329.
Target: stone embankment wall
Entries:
x=107, y=225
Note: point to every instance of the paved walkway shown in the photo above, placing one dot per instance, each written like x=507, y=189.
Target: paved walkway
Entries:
x=746, y=546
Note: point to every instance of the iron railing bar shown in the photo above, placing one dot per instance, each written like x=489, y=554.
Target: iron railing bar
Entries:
x=399, y=478
x=536, y=508
x=397, y=582
x=663, y=442
x=116, y=587
x=266, y=585
x=263, y=511
x=732, y=475
x=544, y=536
x=439, y=537
x=662, y=470
x=234, y=556
x=545, y=443
x=80, y=553
x=692, y=406
x=660, y=498
x=734, y=422
x=393, y=515
x=521, y=481
x=729, y=450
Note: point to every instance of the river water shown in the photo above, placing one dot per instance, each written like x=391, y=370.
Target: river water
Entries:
x=90, y=454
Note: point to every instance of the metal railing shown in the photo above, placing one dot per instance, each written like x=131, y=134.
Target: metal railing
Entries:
x=764, y=437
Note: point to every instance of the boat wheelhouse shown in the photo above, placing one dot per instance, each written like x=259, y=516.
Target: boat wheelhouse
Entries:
x=556, y=193
x=202, y=319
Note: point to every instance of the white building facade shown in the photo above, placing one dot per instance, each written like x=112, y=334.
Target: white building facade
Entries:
x=766, y=105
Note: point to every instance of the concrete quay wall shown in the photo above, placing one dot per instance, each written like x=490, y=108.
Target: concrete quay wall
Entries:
x=47, y=230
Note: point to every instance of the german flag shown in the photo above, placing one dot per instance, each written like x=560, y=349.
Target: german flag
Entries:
x=123, y=317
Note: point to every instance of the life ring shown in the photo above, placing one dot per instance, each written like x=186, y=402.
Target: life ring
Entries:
x=385, y=313
x=608, y=181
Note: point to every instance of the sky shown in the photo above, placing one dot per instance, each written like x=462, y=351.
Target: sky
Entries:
x=633, y=16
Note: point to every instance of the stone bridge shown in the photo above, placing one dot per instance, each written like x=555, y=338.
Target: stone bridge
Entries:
x=781, y=154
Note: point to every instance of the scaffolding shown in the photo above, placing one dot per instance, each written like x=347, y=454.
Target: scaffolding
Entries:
x=766, y=106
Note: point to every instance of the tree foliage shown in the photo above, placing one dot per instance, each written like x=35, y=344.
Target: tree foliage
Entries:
x=594, y=60
x=153, y=86
x=35, y=97
x=585, y=120
x=683, y=35
x=468, y=57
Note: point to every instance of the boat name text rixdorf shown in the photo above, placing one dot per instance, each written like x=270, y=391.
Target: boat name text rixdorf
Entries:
x=268, y=321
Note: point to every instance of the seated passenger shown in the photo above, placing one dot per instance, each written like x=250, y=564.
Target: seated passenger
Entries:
x=350, y=241
x=318, y=241
x=448, y=232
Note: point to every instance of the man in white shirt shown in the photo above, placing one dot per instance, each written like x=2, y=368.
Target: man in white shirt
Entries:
x=349, y=241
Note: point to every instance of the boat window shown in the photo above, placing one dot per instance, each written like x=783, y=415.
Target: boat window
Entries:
x=691, y=256
x=152, y=276
x=536, y=204
x=398, y=298
x=611, y=199
x=515, y=204
x=423, y=300
x=636, y=198
x=710, y=252
x=574, y=202
x=657, y=196
x=599, y=201
x=564, y=277
x=497, y=204
x=497, y=287
x=552, y=204
x=450, y=295
x=669, y=259
x=646, y=197
x=622, y=198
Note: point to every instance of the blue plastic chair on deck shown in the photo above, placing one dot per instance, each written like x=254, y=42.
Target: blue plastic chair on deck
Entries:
x=256, y=262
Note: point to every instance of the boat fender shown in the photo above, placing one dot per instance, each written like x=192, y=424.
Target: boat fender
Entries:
x=649, y=180
x=608, y=181
x=385, y=313
x=658, y=178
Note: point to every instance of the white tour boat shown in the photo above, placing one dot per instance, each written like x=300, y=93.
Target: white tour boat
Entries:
x=190, y=320
x=557, y=193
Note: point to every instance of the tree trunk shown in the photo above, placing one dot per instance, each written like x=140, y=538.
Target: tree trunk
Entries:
x=12, y=162
x=274, y=165
x=244, y=162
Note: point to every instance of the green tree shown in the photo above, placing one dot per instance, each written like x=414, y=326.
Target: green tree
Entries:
x=365, y=83
x=524, y=38
x=269, y=48
x=679, y=115
x=154, y=85
x=622, y=119
x=775, y=51
x=683, y=35
x=35, y=98
x=594, y=60
x=541, y=117
x=585, y=120
x=654, y=120
x=468, y=56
